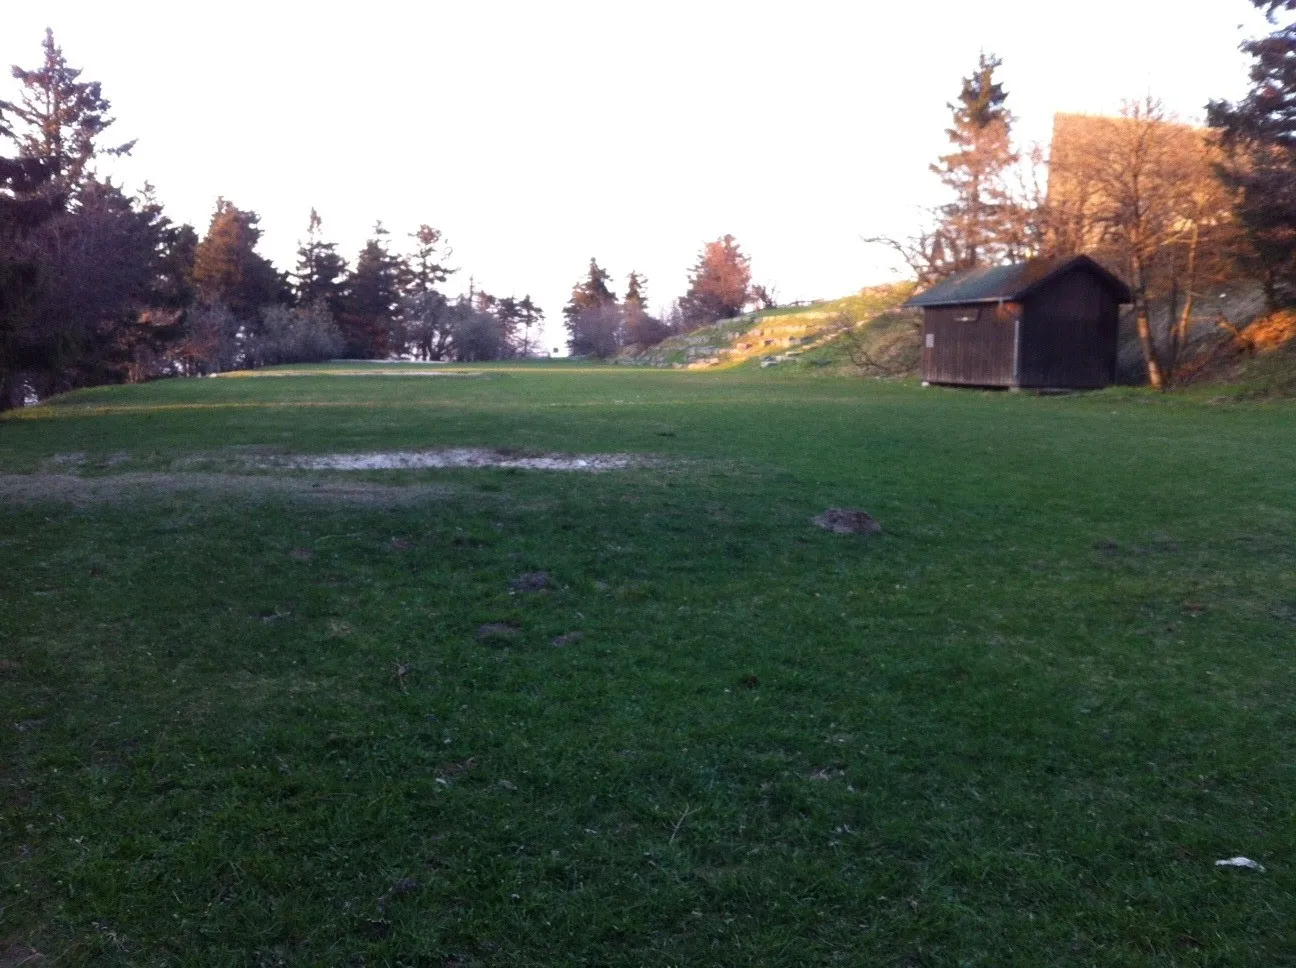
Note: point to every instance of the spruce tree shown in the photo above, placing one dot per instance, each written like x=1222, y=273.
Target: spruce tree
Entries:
x=427, y=268
x=64, y=117
x=634, y=298
x=175, y=252
x=592, y=292
x=640, y=328
x=974, y=226
x=593, y=319
x=719, y=284
x=370, y=319
x=320, y=270
x=529, y=315
x=1258, y=134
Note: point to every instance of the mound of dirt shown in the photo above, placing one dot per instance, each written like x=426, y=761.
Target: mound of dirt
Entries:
x=847, y=521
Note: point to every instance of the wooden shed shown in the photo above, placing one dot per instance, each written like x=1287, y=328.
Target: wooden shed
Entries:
x=1046, y=323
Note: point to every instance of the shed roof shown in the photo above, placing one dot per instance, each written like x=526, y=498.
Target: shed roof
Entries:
x=1010, y=282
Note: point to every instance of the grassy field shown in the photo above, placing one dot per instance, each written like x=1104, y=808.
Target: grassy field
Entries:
x=248, y=717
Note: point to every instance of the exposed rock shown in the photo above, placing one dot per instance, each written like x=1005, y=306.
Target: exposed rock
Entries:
x=570, y=638
x=847, y=521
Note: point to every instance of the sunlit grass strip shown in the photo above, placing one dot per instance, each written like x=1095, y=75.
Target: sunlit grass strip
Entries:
x=324, y=371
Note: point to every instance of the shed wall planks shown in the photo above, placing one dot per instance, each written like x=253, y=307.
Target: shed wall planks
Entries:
x=1069, y=334
x=971, y=345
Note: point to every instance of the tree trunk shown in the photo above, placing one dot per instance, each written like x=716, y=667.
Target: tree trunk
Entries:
x=1180, y=340
x=1172, y=334
x=1144, y=324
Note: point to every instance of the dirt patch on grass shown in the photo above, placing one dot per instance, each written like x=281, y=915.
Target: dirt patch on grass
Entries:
x=461, y=457
x=847, y=521
x=69, y=489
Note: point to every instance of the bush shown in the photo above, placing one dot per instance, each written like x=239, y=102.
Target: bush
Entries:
x=305, y=334
x=211, y=341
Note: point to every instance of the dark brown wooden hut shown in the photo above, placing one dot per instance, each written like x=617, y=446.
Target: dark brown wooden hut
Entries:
x=1044, y=324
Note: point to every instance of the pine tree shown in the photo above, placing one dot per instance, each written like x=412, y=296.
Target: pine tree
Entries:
x=177, y=244
x=1259, y=135
x=320, y=270
x=65, y=117
x=227, y=267
x=370, y=319
x=27, y=197
x=25, y=204
x=529, y=315
x=719, y=283
x=974, y=226
x=427, y=268
x=593, y=319
x=640, y=328
x=634, y=298
x=592, y=292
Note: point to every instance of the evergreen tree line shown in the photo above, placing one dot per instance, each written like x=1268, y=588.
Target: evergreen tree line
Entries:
x=720, y=287
x=1174, y=210
x=100, y=286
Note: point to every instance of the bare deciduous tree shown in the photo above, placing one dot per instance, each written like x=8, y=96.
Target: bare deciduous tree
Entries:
x=1141, y=192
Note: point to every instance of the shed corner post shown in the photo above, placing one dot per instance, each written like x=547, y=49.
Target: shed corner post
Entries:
x=1015, y=382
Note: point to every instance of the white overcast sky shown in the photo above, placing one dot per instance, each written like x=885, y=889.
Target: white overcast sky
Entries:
x=538, y=134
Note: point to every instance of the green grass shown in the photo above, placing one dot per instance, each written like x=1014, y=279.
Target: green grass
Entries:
x=1018, y=728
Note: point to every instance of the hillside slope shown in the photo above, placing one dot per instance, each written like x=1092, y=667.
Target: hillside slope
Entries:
x=817, y=333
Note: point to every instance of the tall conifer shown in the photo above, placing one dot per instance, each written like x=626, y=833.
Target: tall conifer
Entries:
x=320, y=270
x=370, y=318
x=719, y=283
x=64, y=116
x=227, y=267
x=1259, y=134
x=974, y=225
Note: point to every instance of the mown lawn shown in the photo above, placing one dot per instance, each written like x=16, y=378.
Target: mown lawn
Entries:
x=246, y=717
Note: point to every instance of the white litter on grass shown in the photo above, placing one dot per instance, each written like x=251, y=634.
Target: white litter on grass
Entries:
x=461, y=457
x=1246, y=862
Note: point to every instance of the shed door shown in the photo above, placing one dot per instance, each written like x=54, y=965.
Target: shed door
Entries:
x=971, y=345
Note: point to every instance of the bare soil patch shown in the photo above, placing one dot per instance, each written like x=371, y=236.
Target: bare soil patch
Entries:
x=847, y=521
x=460, y=457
